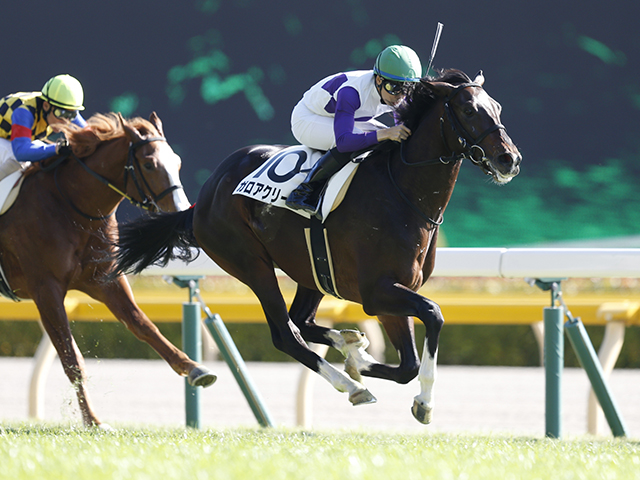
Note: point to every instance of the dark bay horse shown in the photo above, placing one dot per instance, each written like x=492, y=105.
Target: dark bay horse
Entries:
x=57, y=235
x=382, y=236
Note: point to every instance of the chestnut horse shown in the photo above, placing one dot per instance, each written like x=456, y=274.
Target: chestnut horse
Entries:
x=382, y=237
x=57, y=235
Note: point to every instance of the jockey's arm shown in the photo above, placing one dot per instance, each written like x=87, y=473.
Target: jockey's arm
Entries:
x=24, y=148
x=347, y=102
x=347, y=140
x=79, y=121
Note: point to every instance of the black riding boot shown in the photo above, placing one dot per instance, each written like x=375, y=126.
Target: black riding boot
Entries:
x=307, y=195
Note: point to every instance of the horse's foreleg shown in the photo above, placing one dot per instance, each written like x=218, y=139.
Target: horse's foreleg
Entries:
x=56, y=324
x=399, y=301
x=118, y=297
x=401, y=334
x=351, y=343
x=423, y=403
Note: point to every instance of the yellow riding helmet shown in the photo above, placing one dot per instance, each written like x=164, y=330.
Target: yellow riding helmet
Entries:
x=64, y=91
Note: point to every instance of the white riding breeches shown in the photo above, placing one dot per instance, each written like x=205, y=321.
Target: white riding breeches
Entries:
x=6, y=151
x=316, y=131
x=8, y=162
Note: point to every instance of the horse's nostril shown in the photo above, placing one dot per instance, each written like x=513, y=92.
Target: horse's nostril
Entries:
x=509, y=160
x=506, y=160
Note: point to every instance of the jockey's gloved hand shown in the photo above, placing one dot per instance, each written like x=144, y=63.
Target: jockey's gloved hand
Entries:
x=63, y=147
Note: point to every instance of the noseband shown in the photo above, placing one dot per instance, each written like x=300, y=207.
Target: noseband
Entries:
x=148, y=200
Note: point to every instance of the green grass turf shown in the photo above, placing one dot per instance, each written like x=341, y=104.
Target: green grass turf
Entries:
x=30, y=452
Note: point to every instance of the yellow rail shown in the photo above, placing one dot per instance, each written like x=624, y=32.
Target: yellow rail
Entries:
x=458, y=308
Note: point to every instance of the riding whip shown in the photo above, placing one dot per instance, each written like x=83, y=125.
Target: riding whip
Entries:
x=435, y=46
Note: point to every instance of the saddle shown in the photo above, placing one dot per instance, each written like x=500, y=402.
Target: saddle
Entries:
x=272, y=182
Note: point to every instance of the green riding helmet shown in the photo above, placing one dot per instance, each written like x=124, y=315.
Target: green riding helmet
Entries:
x=64, y=91
x=398, y=63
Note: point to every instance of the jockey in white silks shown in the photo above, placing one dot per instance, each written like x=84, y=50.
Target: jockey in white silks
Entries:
x=338, y=115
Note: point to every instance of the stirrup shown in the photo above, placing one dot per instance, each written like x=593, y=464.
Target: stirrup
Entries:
x=302, y=199
x=300, y=203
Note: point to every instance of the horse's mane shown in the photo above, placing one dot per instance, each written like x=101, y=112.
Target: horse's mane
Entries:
x=101, y=128
x=421, y=98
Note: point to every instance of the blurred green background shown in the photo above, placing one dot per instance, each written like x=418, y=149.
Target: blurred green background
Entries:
x=223, y=74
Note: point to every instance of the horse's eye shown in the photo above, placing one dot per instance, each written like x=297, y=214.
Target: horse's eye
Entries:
x=468, y=111
x=148, y=166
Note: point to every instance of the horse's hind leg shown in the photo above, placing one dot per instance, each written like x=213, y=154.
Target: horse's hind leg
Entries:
x=303, y=313
x=287, y=336
x=56, y=324
x=117, y=296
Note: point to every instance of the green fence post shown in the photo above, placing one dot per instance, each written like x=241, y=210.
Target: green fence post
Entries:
x=586, y=354
x=553, y=356
x=192, y=346
x=233, y=358
x=553, y=364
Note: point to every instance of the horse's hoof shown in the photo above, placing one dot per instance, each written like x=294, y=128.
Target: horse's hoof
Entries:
x=355, y=338
x=422, y=413
x=105, y=427
x=201, y=377
x=362, y=397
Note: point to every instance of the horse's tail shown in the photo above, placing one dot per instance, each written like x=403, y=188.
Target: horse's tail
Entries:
x=154, y=240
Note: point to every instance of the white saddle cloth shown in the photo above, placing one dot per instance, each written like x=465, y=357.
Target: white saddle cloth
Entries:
x=272, y=182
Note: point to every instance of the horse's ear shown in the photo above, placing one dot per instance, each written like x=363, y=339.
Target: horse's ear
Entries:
x=440, y=89
x=132, y=132
x=155, y=119
x=479, y=78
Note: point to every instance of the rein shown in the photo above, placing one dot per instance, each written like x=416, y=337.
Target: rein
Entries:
x=471, y=149
x=129, y=169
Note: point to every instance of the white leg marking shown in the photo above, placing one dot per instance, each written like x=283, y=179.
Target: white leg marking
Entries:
x=358, y=394
x=423, y=403
x=358, y=360
x=338, y=379
x=337, y=341
x=352, y=344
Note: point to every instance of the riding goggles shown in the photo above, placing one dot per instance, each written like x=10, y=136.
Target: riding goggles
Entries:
x=394, y=88
x=65, y=114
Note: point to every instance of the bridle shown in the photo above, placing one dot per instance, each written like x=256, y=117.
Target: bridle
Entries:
x=471, y=148
x=149, y=201
x=470, y=145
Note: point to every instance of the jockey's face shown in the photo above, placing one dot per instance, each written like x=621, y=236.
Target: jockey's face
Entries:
x=50, y=116
x=385, y=89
